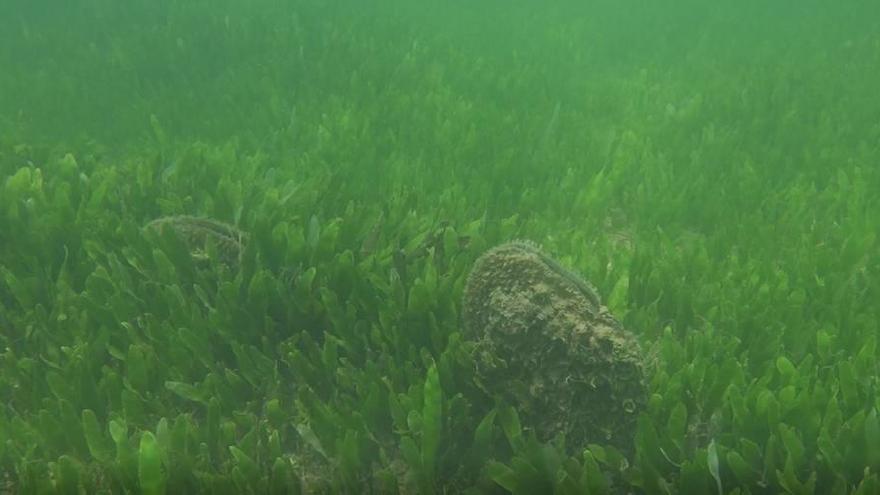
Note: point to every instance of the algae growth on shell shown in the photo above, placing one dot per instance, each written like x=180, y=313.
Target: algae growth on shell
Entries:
x=545, y=344
x=201, y=235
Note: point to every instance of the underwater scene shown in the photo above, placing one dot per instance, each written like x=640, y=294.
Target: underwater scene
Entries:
x=439, y=247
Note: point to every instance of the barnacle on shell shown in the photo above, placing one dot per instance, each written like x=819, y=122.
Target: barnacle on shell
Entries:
x=198, y=233
x=544, y=342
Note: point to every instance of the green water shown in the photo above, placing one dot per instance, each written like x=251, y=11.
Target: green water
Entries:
x=711, y=168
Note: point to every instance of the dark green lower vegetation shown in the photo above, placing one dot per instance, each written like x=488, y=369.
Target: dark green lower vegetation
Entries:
x=715, y=179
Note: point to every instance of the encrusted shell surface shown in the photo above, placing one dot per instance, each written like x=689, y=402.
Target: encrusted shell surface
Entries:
x=545, y=343
x=198, y=233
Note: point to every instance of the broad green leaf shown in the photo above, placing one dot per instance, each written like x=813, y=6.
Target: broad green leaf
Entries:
x=741, y=469
x=866, y=361
x=136, y=368
x=786, y=368
x=330, y=354
x=275, y=413
x=431, y=420
x=187, y=391
x=247, y=365
x=159, y=134
x=828, y=447
x=179, y=433
x=235, y=386
x=419, y=299
x=648, y=443
x=249, y=468
x=788, y=398
x=833, y=418
x=68, y=476
x=303, y=289
x=597, y=452
x=768, y=407
x=57, y=385
x=793, y=444
x=872, y=437
x=164, y=266
x=692, y=477
x=306, y=433
x=18, y=289
x=118, y=431
x=593, y=479
x=483, y=434
x=132, y=406
x=283, y=480
x=503, y=475
x=19, y=183
x=618, y=300
x=870, y=485
x=98, y=445
x=163, y=435
x=770, y=457
x=275, y=444
x=314, y=232
x=714, y=469
x=212, y=420
x=789, y=480
x=677, y=424
x=510, y=424
x=411, y=455
x=847, y=379
x=151, y=475
x=824, y=345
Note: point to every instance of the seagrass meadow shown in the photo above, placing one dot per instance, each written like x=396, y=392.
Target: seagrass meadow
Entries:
x=237, y=240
